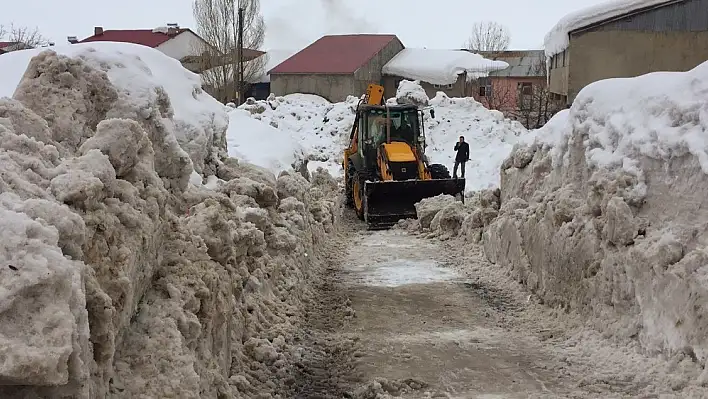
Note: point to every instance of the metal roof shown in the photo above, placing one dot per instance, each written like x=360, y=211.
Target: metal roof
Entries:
x=145, y=37
x=334, y=54
x=522, y=63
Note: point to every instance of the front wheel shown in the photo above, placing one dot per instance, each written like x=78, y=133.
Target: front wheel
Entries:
x=358, y=194
x=438, y=171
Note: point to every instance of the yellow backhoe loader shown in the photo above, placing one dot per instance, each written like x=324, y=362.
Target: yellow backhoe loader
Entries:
x=385, y=168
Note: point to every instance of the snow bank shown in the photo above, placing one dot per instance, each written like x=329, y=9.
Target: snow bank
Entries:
x=320, y=128
x=605, y=212
x=260, y=144
x=440, y=67
x=117, y=277
x=557, y=39
x=144, y=75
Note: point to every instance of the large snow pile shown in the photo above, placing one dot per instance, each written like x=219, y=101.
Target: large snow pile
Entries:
x=557, y=39
x=120, y=279
x=605, y=211
x=440, y=67
x=322, y=129
x=490, y=135
x=262, y=144
x=196, y=118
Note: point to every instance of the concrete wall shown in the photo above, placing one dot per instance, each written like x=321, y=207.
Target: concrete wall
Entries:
x=672, y=37
x=371, y=72
x=332, y=87
x=610, y=54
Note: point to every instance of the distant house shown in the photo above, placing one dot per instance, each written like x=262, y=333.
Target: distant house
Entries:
x=625, y=40
x=176, y=42
x=438, y=70
x=335, y=66
x=505, y=89
x=6, y=47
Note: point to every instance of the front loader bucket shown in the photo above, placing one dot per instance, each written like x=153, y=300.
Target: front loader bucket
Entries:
x=387, y=202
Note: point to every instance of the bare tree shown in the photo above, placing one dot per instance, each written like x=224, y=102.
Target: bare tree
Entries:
x=23, y=37
x=217, y=23
x=488, y=36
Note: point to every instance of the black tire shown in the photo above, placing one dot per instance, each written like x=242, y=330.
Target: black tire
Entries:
x=357, y=178
x=439, y=171
x=348, y=189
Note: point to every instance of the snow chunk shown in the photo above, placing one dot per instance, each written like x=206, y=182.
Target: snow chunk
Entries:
x=411, y=93
x=440, y=67
x=557, y=39
x=161, y=29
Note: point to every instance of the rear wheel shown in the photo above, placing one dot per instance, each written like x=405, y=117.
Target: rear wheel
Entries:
x=439, y=171
x=349, y=189
x=358, y=194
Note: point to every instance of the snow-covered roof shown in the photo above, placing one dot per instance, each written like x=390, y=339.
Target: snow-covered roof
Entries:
x=557, y=39
x=438, y=66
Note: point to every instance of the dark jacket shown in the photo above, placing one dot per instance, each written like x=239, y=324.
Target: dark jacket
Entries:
x=463, y=152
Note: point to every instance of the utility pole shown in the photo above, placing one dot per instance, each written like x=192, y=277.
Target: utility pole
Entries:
x=241, y=83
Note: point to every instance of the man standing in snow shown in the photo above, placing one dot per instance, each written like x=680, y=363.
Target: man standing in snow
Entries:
x=463, y=155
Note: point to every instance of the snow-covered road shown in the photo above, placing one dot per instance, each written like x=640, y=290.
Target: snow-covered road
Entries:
x=404, y=316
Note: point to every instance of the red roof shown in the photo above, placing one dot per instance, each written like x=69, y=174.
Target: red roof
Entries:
x=6, y=44
x=335, y=54
x=146, y=37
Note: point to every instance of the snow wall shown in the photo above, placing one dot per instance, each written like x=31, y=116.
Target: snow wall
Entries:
x=121, y=275
x=604, y=211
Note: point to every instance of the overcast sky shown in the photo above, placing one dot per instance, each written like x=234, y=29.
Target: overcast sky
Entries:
x=293, y=24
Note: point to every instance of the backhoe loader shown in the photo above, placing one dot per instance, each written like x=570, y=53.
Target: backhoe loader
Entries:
x=385, y=168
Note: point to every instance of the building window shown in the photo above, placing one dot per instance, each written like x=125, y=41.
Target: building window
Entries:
x=485, y=87
x=525, y=88
x=564, y=51
x=444, y=87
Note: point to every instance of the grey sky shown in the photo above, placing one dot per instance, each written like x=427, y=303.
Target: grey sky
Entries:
x=295, y=23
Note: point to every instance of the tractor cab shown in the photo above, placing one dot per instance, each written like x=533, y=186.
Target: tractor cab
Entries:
x=404, y=132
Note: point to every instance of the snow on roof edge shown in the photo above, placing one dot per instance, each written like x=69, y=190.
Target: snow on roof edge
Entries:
x=439, y=66
x=557, y=39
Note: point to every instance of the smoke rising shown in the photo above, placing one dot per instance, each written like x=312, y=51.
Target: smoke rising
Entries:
x=312, y=20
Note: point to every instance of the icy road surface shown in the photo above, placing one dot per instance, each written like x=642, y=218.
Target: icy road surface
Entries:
x=425, y=328
x=404, y=316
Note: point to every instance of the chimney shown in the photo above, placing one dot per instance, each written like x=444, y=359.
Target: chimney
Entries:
x=72, y=39
x=172, y=29
x=97, y=31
